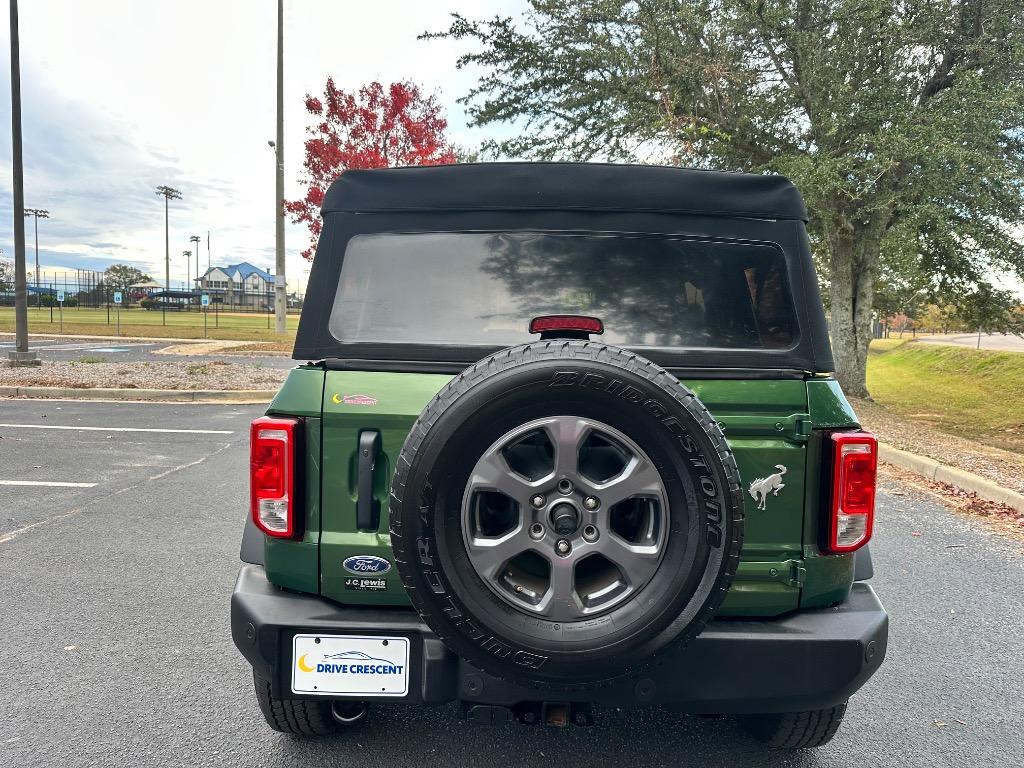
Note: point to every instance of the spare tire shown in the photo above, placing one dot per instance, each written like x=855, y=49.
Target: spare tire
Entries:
x=564, y=512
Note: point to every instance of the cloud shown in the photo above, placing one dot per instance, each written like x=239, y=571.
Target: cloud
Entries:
x=121, y=96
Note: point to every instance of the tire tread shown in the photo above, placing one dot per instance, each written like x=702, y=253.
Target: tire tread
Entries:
x=299, y=717
x=795, y=730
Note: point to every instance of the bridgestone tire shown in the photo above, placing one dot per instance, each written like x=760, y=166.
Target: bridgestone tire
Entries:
x=589, y=380
x=795, y=730
x=299, y=717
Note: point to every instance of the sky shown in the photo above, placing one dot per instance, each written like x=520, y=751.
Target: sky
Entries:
x=120, y=96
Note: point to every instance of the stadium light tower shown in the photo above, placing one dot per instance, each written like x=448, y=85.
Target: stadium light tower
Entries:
x=168, y=193
x=37, y=213
x=196, y=239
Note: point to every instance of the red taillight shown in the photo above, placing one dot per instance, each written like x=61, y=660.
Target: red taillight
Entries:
x=272, y=446
x=578, y=323
x=854, y=467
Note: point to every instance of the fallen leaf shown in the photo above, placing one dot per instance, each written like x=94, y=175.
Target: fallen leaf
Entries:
x=916, y=533
x=940, y=723
x=70, y=647
x=962, y=722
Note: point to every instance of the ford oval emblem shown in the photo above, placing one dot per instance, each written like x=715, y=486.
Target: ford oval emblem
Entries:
x=366, y=564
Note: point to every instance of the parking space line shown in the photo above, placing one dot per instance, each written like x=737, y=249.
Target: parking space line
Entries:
x=48, y=483
x=122, y=429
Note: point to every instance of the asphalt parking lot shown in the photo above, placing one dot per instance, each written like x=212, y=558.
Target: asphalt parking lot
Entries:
x=119, y=538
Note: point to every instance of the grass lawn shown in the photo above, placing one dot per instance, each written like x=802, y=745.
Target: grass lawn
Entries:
x=141, y=322
x=974, y=394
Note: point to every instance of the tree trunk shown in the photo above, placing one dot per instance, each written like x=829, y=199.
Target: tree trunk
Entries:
x=854, y=253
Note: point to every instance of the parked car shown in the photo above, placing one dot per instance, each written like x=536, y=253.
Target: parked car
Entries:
x=571, y=439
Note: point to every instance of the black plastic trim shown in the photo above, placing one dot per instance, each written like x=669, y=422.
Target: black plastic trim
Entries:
x=863, y=569
x=808, y=660
x=367, y=507
x=252, y=543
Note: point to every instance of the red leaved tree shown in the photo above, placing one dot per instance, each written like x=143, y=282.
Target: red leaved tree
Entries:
x=377, y=127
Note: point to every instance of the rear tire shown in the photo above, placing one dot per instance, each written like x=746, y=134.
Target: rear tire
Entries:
x=303, y=717
x=795, y=730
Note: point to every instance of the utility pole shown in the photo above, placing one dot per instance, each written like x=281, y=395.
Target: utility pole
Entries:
x=21, y=354
x=168, y=193
x=207, y=250
x=280, y=286
x=196, y=239
x=37, y=213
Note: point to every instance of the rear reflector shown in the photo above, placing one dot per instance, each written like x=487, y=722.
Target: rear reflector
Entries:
x=272, y=448
x=854, y=467
x=578, y=323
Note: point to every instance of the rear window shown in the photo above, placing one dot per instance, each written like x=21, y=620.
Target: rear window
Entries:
x=483, y=289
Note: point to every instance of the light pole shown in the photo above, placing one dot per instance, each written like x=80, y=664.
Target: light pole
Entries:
x=188, y=267
x=280, y=285
x=20, y=355
x=168, y=193
x=37, y=214
x=196, y=239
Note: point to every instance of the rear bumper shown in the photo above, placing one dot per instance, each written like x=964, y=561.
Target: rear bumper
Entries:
x=810, y=660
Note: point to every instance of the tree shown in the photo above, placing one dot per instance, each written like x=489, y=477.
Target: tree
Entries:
x=120, y=277
x=6, y=276
x=939, y=318
x=894, y=119
x=990, y=310
x=375, y=127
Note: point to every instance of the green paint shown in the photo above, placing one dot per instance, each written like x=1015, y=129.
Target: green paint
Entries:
x=295, y=564
x=301, y=393
x=766, y=423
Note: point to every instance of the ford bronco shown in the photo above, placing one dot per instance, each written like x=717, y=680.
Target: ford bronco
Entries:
x=571, y=441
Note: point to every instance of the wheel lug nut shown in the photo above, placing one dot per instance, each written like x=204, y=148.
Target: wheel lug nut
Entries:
x=591, y=502
x=590, y=533
x=563, y=547
x=565, y=486
x=536, y=531
x=537, y=501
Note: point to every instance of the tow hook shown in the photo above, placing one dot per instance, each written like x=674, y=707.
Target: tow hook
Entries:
x=557, y=714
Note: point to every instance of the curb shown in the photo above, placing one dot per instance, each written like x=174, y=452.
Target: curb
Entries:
x=943, y=473
x=159, y=395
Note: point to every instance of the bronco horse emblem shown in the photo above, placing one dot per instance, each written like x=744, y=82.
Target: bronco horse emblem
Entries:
x=760, y=488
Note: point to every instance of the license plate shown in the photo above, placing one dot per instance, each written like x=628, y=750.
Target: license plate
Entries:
x=350, y=665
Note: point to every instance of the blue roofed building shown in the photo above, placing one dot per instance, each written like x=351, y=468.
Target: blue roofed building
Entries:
x=239, y=285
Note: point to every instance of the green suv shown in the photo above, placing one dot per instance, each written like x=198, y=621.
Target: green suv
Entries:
x=570, y=441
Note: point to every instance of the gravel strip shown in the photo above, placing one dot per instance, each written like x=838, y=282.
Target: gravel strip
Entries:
x=175, y=374
x=999, y=466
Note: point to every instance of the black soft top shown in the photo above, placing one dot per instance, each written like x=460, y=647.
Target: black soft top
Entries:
x=565, y=187
x=564, y=197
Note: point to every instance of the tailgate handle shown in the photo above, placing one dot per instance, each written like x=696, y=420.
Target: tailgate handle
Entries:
x=367, y=507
